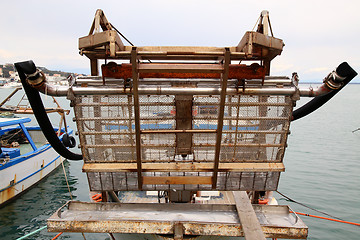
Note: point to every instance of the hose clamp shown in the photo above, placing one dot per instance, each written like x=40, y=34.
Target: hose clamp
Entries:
x=334, y=80
x=36, y=79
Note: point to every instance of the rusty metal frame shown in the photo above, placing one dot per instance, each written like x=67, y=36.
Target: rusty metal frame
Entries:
x=74, y=217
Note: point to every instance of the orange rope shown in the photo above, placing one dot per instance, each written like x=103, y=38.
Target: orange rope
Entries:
x=330, y=219
x=57, y=236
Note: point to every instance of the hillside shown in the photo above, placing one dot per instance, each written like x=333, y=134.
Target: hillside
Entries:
x=7, y=68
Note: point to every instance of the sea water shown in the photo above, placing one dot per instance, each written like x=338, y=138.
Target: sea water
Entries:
x=322, y=164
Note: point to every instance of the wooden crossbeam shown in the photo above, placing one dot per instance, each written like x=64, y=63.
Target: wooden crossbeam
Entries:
x=149, y=180
x=184, y=167
x=179, y=68
x=236, y=71
x=252, y=39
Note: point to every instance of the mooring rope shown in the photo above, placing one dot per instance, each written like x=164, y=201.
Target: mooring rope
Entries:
x=66, y=179
x=333, y=218
x=325, y=218
x=304, y=205
x=31, y=233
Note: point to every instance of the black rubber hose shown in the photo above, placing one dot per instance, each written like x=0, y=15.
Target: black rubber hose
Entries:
x=28, y=67
x=343, y=70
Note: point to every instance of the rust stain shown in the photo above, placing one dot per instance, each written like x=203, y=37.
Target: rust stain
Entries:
x=8, y=193
x=41, y=171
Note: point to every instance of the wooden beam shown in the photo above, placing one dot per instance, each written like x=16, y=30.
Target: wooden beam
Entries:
x=110, y=39
x=236, y=71
x=135, y=77
x=180, y=49
x=224, y=79
x=183, y=117
x=178, y=231
x=147, y=180
x=248, y=220
x=94, y=67
x=179, y=68
x=184, y=167
x=251, y=39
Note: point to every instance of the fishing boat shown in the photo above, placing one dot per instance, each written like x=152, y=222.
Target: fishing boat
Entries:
x=176, y=123
x=26, y=157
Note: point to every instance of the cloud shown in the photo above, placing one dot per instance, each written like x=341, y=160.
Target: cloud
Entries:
x=315, y=40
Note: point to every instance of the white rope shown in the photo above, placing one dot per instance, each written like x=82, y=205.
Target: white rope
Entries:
x=67, y=183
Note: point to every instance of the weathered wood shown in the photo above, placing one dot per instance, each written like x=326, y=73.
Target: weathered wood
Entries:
x=250, y=39
x=236, y=71
x=176, y=180
x=178, y=231
x=183, y=115
x=156, y=146
x=180, y=49
x=99, y=21
x=100, y=39
x=220, y=123
x=179, y=68
x=145, y=55
x=184, y=167
x=135, y=78
x=248, y=220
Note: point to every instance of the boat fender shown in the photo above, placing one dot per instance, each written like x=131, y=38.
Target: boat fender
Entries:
x=68, y=141
x=264, y=201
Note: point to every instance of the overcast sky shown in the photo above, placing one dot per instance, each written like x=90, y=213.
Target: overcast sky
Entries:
x=318, y=35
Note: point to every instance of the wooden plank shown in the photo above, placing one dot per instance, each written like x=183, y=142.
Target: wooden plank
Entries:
x=135, y=78
x=236, y=71
x=243, y=42
x=100, y=39
x=97, y=39
x=267, y=41
x=94, y=67
x=179, y=49
x=220, y=124
x=180, y=68
x=183, y=116
x=250, y=39
x=248, y=220
x=176, y=180
x=184, y=167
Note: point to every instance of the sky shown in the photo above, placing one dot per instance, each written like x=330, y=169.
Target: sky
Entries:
x=318, y=35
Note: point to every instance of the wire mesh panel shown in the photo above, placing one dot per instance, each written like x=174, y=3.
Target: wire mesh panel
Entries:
x=178, y=136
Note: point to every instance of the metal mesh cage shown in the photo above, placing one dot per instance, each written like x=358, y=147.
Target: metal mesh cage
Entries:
x=182, y=129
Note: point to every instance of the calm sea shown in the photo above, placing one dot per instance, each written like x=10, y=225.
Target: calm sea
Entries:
x=322, y=170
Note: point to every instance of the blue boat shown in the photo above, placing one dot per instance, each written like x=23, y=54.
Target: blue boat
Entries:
x=26, y=157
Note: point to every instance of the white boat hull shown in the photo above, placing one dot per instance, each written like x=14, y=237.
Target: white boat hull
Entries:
x=27, y=172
